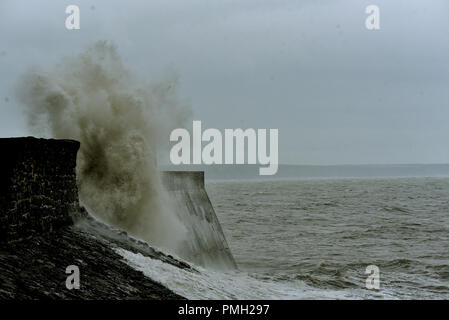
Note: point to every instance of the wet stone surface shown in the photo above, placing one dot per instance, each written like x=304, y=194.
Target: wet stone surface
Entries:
x=35, y=268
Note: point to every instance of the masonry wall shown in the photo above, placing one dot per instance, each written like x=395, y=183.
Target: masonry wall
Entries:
x=38, y=189
x=38, y=194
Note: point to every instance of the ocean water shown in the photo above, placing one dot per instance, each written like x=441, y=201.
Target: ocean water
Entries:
x=326, y=232
x=313, y=239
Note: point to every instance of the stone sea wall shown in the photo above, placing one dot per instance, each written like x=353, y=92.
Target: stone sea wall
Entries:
x=38, y=189
x=39, y=195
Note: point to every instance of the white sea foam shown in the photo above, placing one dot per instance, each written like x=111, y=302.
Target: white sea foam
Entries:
x=209, y=284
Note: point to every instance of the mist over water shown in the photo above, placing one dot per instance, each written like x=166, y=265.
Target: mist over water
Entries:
x=120, y=121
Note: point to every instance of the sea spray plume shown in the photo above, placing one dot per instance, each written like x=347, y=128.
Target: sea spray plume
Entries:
x=92, y=98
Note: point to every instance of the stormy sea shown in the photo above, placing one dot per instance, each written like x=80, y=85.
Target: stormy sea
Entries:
x=310, y=234
x=314, y=238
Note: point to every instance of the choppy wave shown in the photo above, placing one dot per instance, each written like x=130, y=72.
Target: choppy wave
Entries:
x=209, y=284
x=325, y=233
x=120, y=121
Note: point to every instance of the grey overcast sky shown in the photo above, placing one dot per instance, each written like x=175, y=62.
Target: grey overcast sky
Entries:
x=337, y=92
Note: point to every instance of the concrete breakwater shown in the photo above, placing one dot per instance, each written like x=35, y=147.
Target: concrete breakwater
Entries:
x=207, y=245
